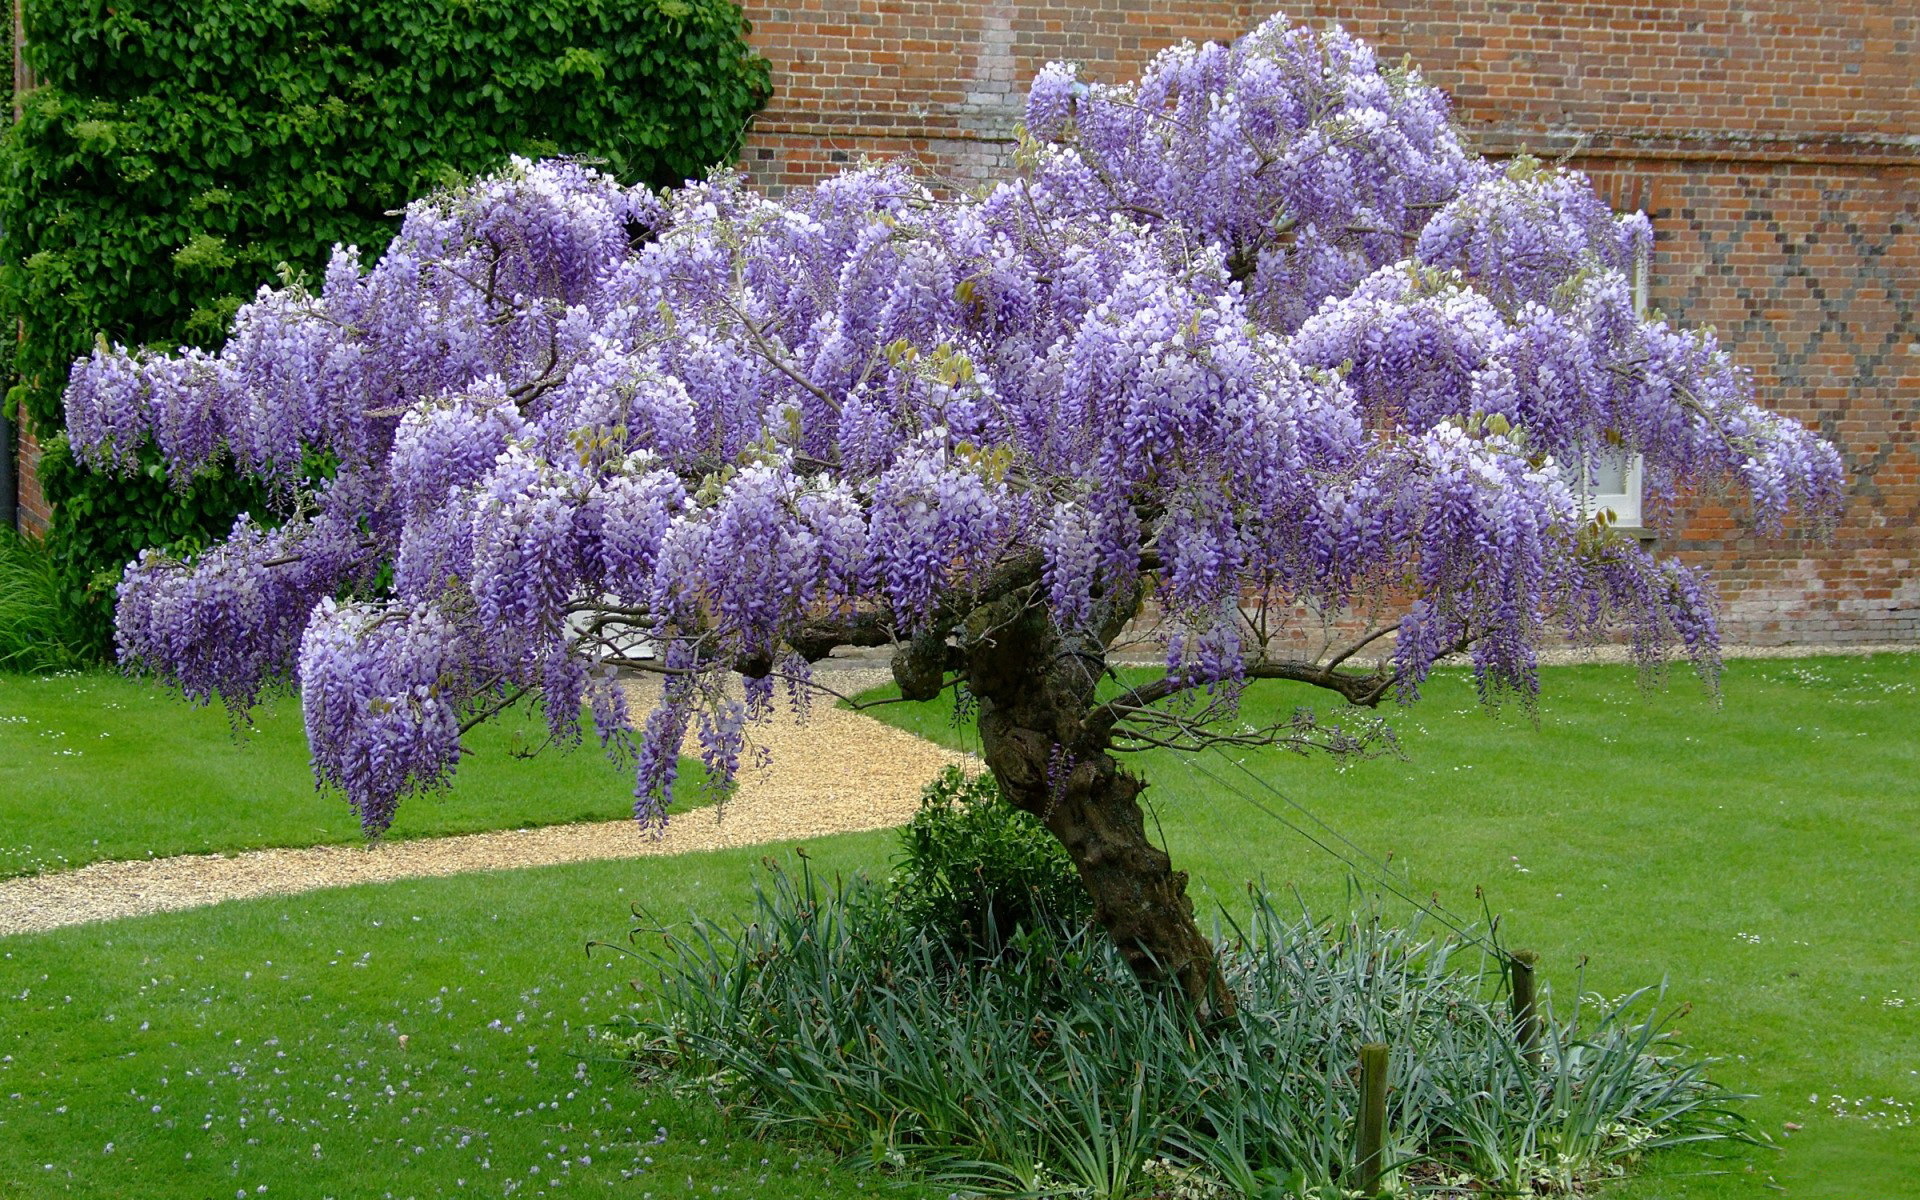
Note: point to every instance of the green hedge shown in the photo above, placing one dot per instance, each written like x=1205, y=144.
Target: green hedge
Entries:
x=180, y=150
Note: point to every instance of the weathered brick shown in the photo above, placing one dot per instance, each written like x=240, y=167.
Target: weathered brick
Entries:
x=1776, y=143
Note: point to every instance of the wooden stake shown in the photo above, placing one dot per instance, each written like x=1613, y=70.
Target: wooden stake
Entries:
x=1373, y=1117
x=1526, y=1014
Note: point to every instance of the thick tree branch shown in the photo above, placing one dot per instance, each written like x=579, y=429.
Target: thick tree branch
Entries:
x=506, y=701
x=819, y=638
x=1362, y=644
x=1361, y=691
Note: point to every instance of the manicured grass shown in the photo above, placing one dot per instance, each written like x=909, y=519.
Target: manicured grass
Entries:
x=97, y=766
x=1758, y=855
x=417, y=1039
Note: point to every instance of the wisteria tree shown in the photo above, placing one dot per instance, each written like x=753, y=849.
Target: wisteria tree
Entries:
x=1253, y=339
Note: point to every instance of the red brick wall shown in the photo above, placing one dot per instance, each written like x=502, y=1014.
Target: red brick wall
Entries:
x=32, y=513
x=945, y=82
x=1812, y=274
x=1776, y=143
x=1763, y=73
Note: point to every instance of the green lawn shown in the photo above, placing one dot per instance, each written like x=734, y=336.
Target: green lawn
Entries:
x=1759, y=855
x=98, y=766
x=256, y=1049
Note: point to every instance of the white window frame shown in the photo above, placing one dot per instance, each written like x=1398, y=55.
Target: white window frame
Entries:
x=1625, y=505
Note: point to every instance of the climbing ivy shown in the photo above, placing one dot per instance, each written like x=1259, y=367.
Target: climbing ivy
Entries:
x=179, y=151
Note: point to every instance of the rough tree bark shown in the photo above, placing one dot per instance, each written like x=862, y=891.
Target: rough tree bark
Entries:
x=1035, y=691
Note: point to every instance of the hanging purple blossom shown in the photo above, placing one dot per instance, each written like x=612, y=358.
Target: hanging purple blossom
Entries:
x=1257, y=333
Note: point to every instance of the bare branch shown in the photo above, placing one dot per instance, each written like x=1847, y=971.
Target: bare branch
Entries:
x=757, y=335
x=1361, y=691
x=812, y=683
x=1362, y=644
x=487, y=714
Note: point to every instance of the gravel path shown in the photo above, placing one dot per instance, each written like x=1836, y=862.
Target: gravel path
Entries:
x=1620, y=654
x=839, y=772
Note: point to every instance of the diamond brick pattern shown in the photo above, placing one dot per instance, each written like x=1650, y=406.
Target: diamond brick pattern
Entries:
x=1776, y=143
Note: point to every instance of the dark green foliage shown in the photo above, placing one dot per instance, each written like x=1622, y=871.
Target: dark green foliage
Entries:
x=177, y=153
x=1044, y=1071
x=973, y=870
x=101, y=522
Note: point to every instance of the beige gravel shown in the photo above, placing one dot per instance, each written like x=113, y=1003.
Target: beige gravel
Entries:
x=839, y=772
x=1620, y=654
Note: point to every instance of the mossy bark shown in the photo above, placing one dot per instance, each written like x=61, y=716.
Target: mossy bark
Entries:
x=1035, y=689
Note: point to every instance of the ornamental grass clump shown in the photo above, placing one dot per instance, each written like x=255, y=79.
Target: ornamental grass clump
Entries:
x=36, y=632
x=1040, y=1069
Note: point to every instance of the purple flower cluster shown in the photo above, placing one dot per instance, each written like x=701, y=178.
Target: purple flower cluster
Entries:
x=381, y=687
x=224, y=624
x=1258, y=325
x=1292, y=150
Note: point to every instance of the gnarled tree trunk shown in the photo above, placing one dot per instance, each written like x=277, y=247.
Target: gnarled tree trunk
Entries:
x=1035, y=689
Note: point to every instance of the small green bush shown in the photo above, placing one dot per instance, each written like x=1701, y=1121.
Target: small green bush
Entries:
x=35, y=628
x=974, y=871
x=1044, y=1070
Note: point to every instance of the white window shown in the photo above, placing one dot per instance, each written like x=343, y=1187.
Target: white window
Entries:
x=1612, y=481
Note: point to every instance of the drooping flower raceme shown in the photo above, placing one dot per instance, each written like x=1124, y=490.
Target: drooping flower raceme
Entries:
x=1257, y=327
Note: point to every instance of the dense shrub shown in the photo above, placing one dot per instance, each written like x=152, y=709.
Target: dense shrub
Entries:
x=1043, y=1071
x=177, y=153
x=973, y=870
